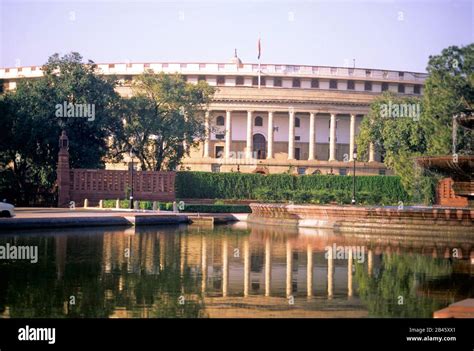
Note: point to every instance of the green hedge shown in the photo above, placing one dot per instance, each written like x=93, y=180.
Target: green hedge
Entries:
x=168, y=206
x=285, y=187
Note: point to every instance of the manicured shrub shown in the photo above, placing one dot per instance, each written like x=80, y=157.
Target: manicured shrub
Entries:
x=286, y=187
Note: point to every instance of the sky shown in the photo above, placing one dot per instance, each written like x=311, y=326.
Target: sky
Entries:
x=384, y=34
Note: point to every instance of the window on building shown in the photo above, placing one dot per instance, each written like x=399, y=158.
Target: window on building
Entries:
x=368, y=86
x=401, y=74
x=296, y=83
x=221, y=80
x=368, y=72
x=297, y=122
x=202, y=78
x=277, y=82
x=220, y=120
x=297, y=138
x=343, y=171
x=333, y=84
x=220, y=136
x=314, y=83
x=301, y=170
x=263, y=81
x=350, y=85
x=384, y=86
x=417, y=89
x=401, y=88
x=239, y=81
x=258, y=121
x=215, y=168
x=254, y=80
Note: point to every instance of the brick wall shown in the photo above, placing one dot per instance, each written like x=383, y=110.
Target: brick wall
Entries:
x=95, y=185
x=445, y=194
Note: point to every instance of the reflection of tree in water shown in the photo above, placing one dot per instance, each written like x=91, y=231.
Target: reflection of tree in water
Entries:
x=401, y=275
x=37, y=290
x=160, y=294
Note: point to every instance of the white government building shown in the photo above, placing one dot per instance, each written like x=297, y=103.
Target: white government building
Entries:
x=301, y=119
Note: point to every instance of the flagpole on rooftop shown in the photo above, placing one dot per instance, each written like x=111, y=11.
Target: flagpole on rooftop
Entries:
x=258, y=57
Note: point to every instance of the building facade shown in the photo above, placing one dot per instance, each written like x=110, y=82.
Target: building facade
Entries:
x=273, y=118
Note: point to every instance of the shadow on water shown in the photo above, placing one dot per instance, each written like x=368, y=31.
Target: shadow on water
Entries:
x=235, y=270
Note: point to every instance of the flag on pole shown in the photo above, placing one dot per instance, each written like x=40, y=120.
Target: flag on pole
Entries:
x=259, y=49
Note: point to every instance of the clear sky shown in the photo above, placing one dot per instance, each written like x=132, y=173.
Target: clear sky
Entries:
x=397, y=35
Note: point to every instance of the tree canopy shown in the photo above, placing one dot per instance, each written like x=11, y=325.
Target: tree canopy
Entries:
x=400, y=139
x=29, y=142
x=163, y=120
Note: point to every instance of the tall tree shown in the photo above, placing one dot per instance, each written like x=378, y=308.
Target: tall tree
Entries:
x=398, y=137
x=449, y=90
x=31, y=127
x=164, y=119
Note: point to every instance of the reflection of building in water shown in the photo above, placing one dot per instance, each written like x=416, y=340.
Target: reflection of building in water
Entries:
x=234, y=273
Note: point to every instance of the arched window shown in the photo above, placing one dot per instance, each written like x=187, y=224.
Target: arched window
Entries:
x=297, y=122
x=220, y=120
x=258, y=121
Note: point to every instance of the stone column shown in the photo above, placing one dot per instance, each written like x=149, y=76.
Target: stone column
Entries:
x=309, y=270
x=225, y=267
x=291, y=135
x=246, y=267
x=312, y=136
x=228, y=134
x=289, y=268
x=352, y=137
x=268, y=266
x=63, y=171
x=332, y=138
x=270, y=135
x=371, y=152
x=208, y=134
x=249, y=147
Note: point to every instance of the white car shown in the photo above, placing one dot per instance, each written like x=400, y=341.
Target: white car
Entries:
x=7, y=210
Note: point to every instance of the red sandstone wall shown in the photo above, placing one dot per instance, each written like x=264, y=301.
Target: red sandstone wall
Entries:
x=96, y=185
x=445, y=195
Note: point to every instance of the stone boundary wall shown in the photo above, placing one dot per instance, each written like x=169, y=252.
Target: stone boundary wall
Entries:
x=411, y=220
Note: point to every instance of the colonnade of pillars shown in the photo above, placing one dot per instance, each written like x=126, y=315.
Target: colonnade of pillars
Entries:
x=291, y=136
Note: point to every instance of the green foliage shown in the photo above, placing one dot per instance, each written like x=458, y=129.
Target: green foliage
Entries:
x=163, y=120
x=31, y=129
x=401, y=275
x=449, y=90
x=168, y=206
x=318, y=189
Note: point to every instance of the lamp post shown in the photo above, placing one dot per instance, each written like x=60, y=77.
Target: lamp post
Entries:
x=354, y=157
x=132, y=155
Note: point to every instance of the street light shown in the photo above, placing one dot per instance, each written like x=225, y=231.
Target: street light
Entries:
x=132, y=155
x=354, y=157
